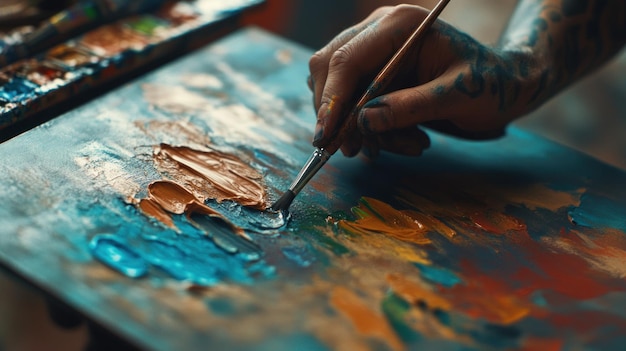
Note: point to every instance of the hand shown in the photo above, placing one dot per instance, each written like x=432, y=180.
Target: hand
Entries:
x=450, y=80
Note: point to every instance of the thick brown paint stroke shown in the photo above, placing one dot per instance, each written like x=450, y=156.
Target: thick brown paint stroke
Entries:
x=153, y=209
x=174, y=198
x=229, y=175
x=170, y=196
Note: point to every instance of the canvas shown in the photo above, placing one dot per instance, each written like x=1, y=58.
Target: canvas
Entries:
x=146, y=210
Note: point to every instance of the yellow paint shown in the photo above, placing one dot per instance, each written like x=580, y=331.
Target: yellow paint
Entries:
x=377, y=217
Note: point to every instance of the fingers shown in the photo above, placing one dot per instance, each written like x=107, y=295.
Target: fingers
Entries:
x=339, y=71
x=410, y=141
x=404, y=108
x=432, y=103
x=319, y=62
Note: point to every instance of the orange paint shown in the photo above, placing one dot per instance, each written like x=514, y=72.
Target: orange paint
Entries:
x=229, y=177
x=376, y=217
x=431, y=222
x=496, y=222
x=365, y=320
x=415, y=293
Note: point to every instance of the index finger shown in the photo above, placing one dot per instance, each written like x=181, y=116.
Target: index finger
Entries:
x=359, y=58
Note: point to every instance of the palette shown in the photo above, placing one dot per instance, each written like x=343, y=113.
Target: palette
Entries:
x=123, y=209
x=71, y=72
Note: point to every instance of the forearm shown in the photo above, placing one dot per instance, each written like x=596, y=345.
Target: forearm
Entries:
x=562, y=40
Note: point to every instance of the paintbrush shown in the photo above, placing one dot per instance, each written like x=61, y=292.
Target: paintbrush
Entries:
x=321, y=155
x=82, y=16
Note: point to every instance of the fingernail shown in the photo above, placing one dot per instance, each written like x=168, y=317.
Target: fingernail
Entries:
x=319, y=133
x=374, y=120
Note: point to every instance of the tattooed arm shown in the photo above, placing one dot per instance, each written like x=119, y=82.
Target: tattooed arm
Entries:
x=453, y=82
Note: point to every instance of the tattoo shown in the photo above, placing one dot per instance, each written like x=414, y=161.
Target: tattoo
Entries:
x=548, y=45
x=489, y=71
x=571, y=37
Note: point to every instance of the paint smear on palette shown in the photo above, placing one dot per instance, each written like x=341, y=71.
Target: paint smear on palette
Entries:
x=148, y=25
x=113, y=39
x=71, y=57
x=18, y=89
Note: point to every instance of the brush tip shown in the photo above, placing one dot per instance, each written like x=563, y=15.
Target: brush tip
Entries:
x=284, y=202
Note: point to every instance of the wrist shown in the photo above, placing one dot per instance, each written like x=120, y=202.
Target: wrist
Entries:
x=533, y=75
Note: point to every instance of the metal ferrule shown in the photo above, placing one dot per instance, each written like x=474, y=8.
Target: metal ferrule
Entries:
x=315, y=162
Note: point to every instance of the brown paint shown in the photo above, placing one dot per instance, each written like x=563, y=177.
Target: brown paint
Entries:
x=229, y=177
x=172, y=197
x=365, y=320
x=112, y=39
x=152, y=209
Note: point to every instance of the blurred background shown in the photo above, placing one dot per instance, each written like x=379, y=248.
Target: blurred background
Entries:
x=590, y=117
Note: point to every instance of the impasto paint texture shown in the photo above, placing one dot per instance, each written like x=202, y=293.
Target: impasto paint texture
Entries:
x=146, y=209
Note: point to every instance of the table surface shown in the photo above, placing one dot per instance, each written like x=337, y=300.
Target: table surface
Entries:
x=517, y=242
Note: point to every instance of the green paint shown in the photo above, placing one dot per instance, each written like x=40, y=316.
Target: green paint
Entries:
x=146, y=24
x=396, y=309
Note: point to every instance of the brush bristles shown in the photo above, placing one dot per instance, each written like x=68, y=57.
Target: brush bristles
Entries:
x=284, y=202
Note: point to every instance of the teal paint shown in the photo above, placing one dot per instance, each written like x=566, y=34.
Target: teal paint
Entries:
x=439, y=275
x=223, y=235
x=114, y=253
x=596, y=211
x=300, y=255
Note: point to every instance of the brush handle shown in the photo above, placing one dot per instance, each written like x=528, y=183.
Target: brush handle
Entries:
x=384, y=77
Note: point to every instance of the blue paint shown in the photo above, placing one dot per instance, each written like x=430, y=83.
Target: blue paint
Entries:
x=597, y=211
x=438, y=275
x=18, y=89
x=195, y=258
x=262, y=222
x=189, y=256
x=221, y=307
x=538, y=299
x=113, y=252
x=300, y=255
x=169, y=257
x=300, y=341
x=224, y=236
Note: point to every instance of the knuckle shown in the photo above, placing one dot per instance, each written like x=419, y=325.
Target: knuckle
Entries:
x=316, y=62
x=401, y=10
x=342, y=56
x=382, y=10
